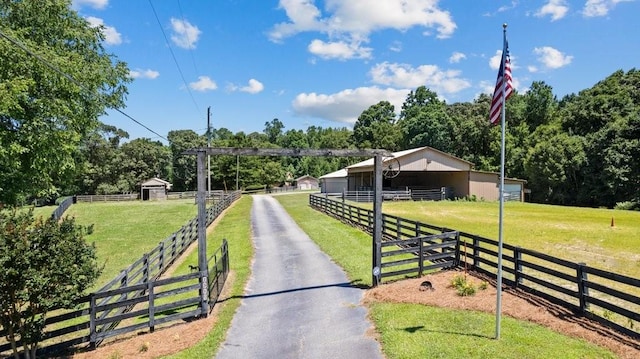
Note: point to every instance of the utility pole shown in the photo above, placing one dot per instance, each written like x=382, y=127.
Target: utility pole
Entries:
x=208, y=155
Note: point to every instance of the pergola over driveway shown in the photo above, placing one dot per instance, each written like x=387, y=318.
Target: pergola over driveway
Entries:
x=203, y=152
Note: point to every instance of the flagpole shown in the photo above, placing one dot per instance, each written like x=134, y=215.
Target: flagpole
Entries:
x=501, y=194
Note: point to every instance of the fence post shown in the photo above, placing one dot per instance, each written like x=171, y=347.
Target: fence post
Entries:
x=420, y=256
x=161, y=257
x=476, y=252
x=152, y=309
x=583, y=290
x=457, y=260
x=92, y=321
x=398, y=228
x=517, y=263
x=145, y=268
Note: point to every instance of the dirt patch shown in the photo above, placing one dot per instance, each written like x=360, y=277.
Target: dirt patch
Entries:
x=515, y=303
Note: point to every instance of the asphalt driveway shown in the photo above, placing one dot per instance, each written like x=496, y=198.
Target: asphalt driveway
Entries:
x=298, y=303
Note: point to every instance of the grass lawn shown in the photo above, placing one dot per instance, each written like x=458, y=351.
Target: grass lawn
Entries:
x=417, y=331
x=124, y=231
x=572, y=233
x=235, y=226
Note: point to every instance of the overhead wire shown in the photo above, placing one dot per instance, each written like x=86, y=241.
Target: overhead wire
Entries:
x=175, y=60
x=73, y=80
x=193, y=58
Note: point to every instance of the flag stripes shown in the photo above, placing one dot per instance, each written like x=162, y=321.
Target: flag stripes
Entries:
x=504, y=73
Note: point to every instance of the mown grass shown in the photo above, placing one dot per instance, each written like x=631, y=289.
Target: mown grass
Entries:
x=235, y=226
x=572, y=233
x=417, y=331
x=124, y=231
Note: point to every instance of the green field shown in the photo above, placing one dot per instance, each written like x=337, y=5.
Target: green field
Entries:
x=415, y=331
x=124, y=231
x=572, y=233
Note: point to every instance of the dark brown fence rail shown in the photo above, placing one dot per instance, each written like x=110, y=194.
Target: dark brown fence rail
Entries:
x=136, y=290
x=610, y=298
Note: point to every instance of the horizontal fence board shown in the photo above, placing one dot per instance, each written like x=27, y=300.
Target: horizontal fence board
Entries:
x=399, y=262
x=122, y=303
x=549, y=258
x=122, y=316
x=614, y=308
x=65, y=316
x=115, y=332
x=177, y=304
x=613, y=292
x=399, y=272
x=176, y=291
x=179, y=316
x=613, y=276
x=550, y=271
x=550, y=285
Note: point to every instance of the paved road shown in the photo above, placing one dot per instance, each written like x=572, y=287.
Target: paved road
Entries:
x=298, y=303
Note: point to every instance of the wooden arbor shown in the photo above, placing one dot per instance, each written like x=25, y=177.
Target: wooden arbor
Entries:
x=202, y=153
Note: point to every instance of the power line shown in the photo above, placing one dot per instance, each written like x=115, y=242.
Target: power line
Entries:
x=193, y=58
x=70, y=78
x=174, y=57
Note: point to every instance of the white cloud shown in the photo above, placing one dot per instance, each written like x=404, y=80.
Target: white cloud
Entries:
x=352, y=21
x=532, y=68
x=396, y=46
x=593, y=8
x=185, y=35
x=347, y=105
x=96, y=4
x=494, y=61
x=552, y=58
x=111, y=35
x=457, y=57
x=339, y=50
x=203, y=84
x=403, y=75
x=253, y=87
x=557, y=9
x=144, y=74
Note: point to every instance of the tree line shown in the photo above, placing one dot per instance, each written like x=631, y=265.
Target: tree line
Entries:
x=580, y=150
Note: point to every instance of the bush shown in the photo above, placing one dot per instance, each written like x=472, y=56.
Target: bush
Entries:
x=628, y=206
x=462, y=286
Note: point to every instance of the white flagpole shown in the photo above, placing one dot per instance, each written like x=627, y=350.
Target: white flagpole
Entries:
x=501, y=194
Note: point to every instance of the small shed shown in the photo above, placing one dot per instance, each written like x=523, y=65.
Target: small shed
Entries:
x=154, y=189
x=334, y=182
x=307, y=182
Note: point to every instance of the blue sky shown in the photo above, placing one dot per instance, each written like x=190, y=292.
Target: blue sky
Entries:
x=321, y=63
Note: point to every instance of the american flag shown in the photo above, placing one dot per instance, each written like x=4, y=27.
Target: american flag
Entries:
x=504, y=73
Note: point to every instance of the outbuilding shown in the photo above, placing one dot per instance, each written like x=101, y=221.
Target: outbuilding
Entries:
x=154, y=189
x=307, y=182
x=334, y=182
x=429, y=173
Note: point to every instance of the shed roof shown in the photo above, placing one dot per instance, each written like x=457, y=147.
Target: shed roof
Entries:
x=306, y=177
x=341, y=173
x=448, y=161
x=155, y=182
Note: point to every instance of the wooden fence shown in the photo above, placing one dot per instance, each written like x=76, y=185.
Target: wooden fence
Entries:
x=62, y=207
x=419, y=255
x=609, y=298
x=98, y=315
x=107, y=197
